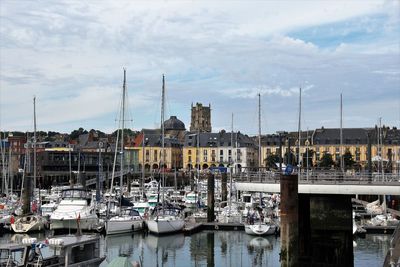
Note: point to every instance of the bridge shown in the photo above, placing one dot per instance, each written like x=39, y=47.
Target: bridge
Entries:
x=117, y=174
x=324, y=182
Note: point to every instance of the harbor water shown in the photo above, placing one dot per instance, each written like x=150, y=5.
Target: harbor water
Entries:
x=215, y=248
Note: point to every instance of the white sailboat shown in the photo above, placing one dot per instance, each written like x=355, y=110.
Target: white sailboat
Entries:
x=262, y=226
x=30, y=222
x=128, y=219
x=166, y=219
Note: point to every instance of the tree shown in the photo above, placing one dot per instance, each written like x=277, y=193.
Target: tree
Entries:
x=326, y=160
x=309, y=159
x=348, y=159
x=290, y=159
x=76, y=133
x=271, y=160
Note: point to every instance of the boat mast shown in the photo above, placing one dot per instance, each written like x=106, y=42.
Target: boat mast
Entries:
x=162, y=139
x=122, y=131
x=142, y=183
x=34, y=143
x=231, y=168
x=259, y=137
x=259, y=145
x=341, y=134
x=299, y=139
x=2, y=151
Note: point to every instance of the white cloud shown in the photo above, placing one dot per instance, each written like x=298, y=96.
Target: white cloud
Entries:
x=264, y=90
x=71, y=54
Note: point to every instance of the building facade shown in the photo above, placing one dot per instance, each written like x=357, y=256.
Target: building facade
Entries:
x=384, y=142
x=205, y=150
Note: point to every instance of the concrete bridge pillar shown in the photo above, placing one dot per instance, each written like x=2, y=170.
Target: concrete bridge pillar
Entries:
x=326, y=237
x=289, y=221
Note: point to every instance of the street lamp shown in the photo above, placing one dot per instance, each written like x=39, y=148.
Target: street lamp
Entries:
x=281, y=134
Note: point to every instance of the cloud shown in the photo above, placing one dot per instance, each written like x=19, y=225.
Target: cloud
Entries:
x=263, y=90
x=70, y=54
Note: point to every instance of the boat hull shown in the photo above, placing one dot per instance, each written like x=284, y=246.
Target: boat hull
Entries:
x=123, y=226
x=165, y=225
x=89, y=224
x=260, y=229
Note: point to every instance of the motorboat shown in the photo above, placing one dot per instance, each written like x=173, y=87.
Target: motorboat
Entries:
x=70, y=250
x=76, y=207
x=191, y=200
x=28, y=223
x=48, y=209
x=129, y=220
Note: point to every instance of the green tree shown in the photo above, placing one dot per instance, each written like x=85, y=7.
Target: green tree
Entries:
x=348, y=159
x=326, y=160
x=271, y=160
x=290, y=159
x=309, y=158
x=76, y=133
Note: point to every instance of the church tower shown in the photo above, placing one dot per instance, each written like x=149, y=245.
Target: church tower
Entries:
x=201, y=118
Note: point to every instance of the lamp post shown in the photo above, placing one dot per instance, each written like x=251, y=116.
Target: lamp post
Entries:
x=281, y=135
x=307, y=144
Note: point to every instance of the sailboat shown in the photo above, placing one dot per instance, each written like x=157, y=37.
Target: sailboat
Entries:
x=128, y=219
x=165, y=219
x=30, y=222
x=258, y=224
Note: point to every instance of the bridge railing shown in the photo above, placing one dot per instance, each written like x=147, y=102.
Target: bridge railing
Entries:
x=323, y=177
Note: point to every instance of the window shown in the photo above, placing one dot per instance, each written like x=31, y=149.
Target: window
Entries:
x=155, y=155
x=205, y=152
x=190, y=158
x=221, y=152
x=229, y=152
x=189, y=152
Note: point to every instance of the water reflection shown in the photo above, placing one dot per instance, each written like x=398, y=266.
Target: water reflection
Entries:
x=213, y=248
x=257, y=248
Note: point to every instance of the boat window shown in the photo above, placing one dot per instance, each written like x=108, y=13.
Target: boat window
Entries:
x=134, y=213
x=8, y=256
x=74, y=194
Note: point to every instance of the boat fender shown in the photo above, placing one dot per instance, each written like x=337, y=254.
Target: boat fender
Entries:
x=216, y=227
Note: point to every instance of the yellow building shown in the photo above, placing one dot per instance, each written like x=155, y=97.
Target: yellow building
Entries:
x=354, y=140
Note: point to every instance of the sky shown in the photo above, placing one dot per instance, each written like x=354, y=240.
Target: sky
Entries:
x=70, y=55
